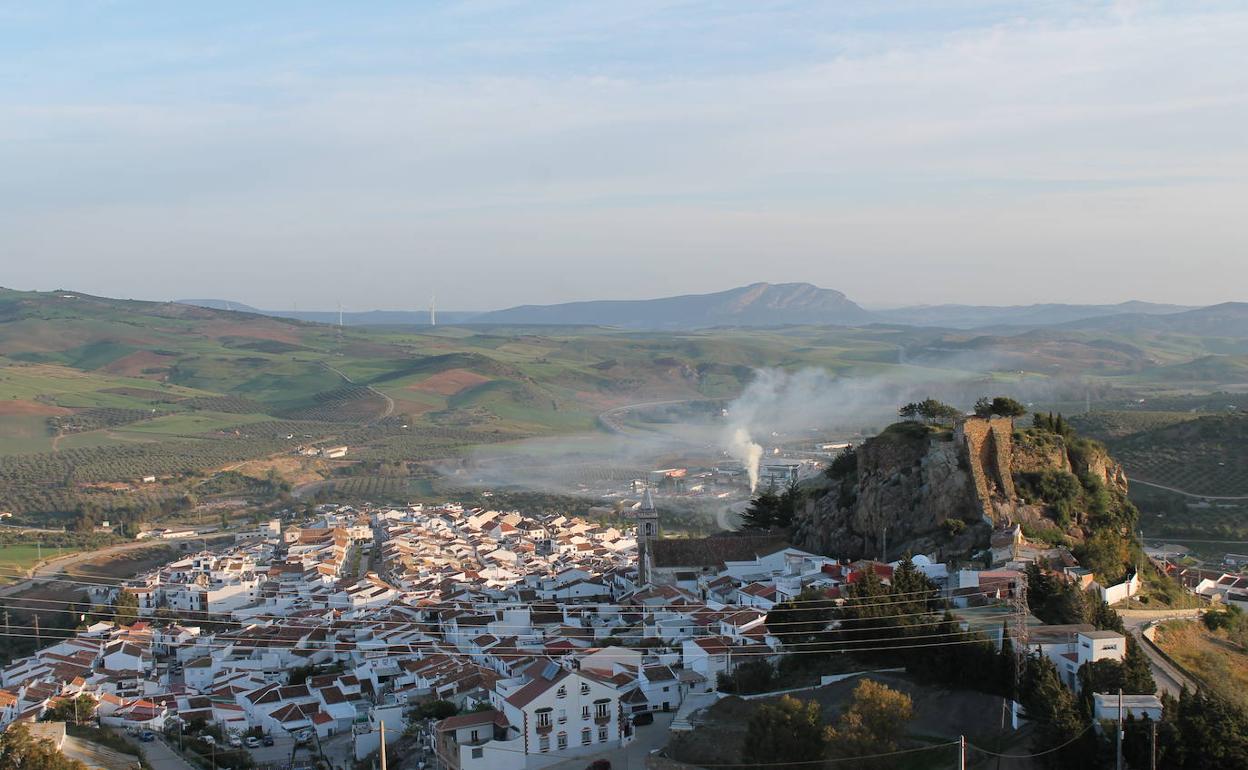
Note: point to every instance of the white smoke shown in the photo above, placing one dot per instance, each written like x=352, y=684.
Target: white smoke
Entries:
x=748, y=452
x=805, y=402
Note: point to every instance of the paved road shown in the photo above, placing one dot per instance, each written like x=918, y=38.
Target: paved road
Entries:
x=161, y=757
x=1169, y=679
x=610, y=418
x=1185, y=493
x=50, y=568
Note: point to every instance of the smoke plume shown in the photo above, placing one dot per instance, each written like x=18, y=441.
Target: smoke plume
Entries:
x=748, y=452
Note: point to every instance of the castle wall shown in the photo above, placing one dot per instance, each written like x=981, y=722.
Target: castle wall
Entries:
x=988, y=444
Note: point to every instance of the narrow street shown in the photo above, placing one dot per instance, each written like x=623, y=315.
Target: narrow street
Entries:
x=161, y=757
x=633, y=756
x=1169, y=679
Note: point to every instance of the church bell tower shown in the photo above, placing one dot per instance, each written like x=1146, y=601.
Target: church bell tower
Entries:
x=647, y=517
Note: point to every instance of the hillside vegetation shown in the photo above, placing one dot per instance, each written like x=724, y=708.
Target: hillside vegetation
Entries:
x=96, y=394
x=1202, y=454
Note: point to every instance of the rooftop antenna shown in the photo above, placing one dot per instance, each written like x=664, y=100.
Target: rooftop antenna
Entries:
x=433, y=310
x=339, y=314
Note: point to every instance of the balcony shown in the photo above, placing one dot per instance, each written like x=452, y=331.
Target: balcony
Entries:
x=544, y=729
x=602, y=719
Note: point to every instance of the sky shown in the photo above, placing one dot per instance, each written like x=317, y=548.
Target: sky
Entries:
x=494, y=153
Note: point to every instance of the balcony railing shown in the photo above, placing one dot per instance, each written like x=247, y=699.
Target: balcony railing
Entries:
x=544, y=729
x=602, y=719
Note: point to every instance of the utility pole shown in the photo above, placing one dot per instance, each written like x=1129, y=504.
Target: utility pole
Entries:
x=38, y=641
x=1118, y=765
x=961, y=752
x=383, y=744
x=1153, y=764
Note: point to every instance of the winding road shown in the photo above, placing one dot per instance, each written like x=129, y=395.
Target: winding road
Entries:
x=610, y=418
x=1185, y=493
x=1168, y=678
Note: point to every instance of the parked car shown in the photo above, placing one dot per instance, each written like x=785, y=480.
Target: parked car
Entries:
x=267, y=740
x=147, y=736
x=252, y=742
x=599, y=764
x=235, y=742
x=644, y=718
x=208, y=739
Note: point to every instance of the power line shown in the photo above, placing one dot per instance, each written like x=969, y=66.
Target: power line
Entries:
x=203, y=616
x=839, y=603
x=846, y=643
x=1037, y=754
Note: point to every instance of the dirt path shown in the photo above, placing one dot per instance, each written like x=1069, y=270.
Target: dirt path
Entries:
x=389, y=401
x=51, y=568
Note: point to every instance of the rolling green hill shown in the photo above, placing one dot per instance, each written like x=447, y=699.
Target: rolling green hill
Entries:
x=97, y=393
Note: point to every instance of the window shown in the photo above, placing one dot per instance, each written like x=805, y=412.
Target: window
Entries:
x=562, y=692
x=563, y=715
x=562, y=741
x=543, y=743
x=584, y=688
x=602, y=734
x=600, y=709
x=478, y=753
x=543, y=718
x=585, y=737
x=475, y=737
x=584, y=712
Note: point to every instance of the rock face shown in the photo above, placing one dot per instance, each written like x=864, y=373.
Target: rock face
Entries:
x=942, y=492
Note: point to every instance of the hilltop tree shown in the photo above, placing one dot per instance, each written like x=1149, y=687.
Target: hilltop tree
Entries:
x=788, y=730
x=929, y=410
x=1057, y=425
x=1001, y=406
x=873, y=723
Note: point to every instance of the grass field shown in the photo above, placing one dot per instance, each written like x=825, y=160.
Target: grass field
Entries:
x=15, y=559
x=1208, y=655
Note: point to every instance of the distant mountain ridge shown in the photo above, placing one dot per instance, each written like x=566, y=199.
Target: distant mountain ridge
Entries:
x=1046, y=314
x=766, y=304
x=361, y=318
x=759, y=304
x=1228, y=319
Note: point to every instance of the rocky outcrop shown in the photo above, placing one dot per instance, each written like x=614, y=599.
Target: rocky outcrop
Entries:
x=942, y=492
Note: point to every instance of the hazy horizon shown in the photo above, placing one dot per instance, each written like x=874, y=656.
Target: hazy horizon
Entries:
x=498, y=153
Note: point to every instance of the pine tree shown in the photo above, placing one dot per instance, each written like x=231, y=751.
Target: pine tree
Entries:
x=1137, y=674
